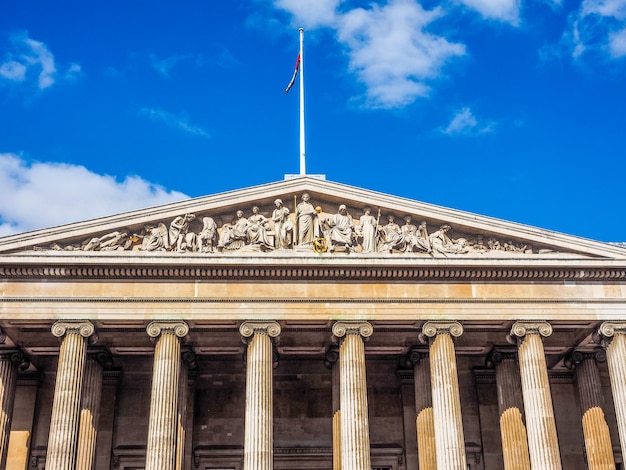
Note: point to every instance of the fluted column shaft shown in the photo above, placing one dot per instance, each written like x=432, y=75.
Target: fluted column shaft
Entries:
x=163, y=424
x=510, y=403
x=543, y=445
x=332, y=361
x=64, y=424
x=595, y=428
x=355, y=439
x=188, y=361
x=614, y=341
x=449, y=438
x=425, y=421
x=258, y=447
x=89, y=414
x=9, y=363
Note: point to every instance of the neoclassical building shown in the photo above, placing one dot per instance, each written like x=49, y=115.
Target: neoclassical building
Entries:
x=312, y=325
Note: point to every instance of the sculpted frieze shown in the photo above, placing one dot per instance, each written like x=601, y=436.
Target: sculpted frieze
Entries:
x=308, y=228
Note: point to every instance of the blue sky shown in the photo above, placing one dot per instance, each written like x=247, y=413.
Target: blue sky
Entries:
x=508, y=108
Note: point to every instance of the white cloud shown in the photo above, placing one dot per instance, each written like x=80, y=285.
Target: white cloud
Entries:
x=501, y=10
x=163, y=66
x=612, y=8
x=39, y=195
x=172, y=120
x=597, y=27
x=13, y=71
x=30, y=61
x=617, y=43
x=465, y=123
x=311, y=13
x=388, y=46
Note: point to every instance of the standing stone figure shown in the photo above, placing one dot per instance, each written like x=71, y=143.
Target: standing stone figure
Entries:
x=283, y=227
x=178, y=230
x=207, y=238
x=306, y=217
x=368, y=230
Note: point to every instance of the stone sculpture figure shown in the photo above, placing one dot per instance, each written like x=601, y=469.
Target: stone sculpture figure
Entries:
x=392, y=238
x=178, y=231
x=283, y=227
x=156, y=239
x=442, y=243
x=256, y=231
x=368, y=230
x=235, y=234
x=306, y=218
x=422, y=240
x=341, y=229
x=415, y=239
x=206, y=241
x=109, y=242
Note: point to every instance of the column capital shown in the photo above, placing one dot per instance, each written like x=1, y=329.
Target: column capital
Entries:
x=577, y=356
x=431, y=329
x=608, y=329
x=83, y=328
x=416, y=355
x=188, y=357
x=344, y=328
x=102, y=356
x=178, y=328
x=499, y=354
x=523, y=328
x=331, y=356
x=248, y=328
x=16, y=356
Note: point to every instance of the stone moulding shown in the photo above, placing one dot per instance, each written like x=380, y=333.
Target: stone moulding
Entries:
x=312, y=273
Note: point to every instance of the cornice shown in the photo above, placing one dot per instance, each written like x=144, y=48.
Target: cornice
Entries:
x=370, y=271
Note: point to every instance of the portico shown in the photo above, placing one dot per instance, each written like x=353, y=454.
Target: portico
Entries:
x=256, y=359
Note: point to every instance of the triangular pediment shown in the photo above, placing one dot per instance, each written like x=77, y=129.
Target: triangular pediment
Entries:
x=213, y=228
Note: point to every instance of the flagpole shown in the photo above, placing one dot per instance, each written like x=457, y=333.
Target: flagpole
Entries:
x=302, y=153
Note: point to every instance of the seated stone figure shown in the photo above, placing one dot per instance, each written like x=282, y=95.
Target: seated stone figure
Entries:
x=235, y=234
x=258, y=225
x=341, y=230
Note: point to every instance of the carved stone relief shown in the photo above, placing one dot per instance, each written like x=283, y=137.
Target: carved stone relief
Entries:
x=307, y=229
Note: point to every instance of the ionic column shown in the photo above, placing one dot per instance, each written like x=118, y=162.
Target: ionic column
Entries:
x=332, y=362
x=62, y=440
x=163, y=424
x=614, y=341
x=90, y=410
x=595, y=428
x=355, y=438
x=543, y=445
x=449, y=438
x=188, y=362
x=425, y=420
x=511, y=407
x=10, y=361
x=258, y=447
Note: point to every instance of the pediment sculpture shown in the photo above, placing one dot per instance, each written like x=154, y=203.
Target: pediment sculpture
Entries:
x=307, y=229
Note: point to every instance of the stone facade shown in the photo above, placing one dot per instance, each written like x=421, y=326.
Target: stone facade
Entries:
x=159, y=340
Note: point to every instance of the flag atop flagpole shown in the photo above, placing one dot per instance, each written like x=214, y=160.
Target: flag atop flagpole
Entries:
x=295, y=74
x=300, y=67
